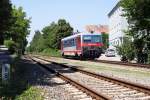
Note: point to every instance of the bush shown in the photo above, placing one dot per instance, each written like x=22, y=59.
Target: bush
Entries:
x=10, y=45
x=31, y=94
x=51, y=52
x=126, y=50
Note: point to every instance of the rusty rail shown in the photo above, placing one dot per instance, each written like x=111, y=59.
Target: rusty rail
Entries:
x=123, y=63
x=135, y=86
x=119, y=63
x=92, y=93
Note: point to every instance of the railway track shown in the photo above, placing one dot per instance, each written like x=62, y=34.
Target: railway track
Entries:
x=111, y=88
x=123, y=63
x=119, y=63
x=72, y=84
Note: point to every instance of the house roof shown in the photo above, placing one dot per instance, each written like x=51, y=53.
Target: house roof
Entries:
x=114, y=9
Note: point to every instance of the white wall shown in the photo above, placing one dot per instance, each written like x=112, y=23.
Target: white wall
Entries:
x=117, y=24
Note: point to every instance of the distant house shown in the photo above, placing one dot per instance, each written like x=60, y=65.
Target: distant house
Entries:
x=117, y=25
x=97, y=28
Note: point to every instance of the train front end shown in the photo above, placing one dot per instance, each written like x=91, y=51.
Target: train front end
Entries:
x=91, y=45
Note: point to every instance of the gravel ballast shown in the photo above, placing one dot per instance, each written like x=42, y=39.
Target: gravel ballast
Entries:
x=115, y=91
x=53, y=88
x=129, y=73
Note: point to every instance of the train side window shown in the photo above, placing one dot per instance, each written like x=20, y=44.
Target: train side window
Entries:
x=73, y=42
x=69, y=43
x=65, y=43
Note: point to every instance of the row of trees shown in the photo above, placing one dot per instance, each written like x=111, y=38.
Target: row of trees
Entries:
x=138, y=16
x=50, y=36
x=5, y=16
x=14, y=26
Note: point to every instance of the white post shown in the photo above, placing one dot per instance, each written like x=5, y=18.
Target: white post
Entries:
x=5, y=73
x=0, y=72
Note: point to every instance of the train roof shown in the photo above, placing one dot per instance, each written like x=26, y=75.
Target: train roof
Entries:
x=78, y=34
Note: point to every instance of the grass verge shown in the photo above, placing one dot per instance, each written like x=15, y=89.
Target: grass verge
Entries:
x=18, y=87
x=31, y=94
x=48, y=52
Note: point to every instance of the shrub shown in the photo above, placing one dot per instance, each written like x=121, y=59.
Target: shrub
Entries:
x=10, y=45
x=126, y=50
x=31, y=94
x=51, y=52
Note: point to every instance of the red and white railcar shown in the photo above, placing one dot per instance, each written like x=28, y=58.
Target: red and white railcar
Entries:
x=86, y=45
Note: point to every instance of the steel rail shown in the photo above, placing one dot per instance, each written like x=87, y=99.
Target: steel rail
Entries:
x=118, y=63
x=135, y=86
x=123, y=63
x=91, y=92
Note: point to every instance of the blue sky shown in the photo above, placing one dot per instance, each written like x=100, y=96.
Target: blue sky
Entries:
x=78, y=13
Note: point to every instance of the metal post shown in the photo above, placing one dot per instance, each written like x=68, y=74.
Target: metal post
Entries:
x=5, y=73
x=148, y=57
x=0, y=72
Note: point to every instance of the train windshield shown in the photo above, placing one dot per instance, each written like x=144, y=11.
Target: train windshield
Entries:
x=91, y=38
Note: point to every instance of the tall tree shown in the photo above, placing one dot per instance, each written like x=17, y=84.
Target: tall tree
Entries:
x=126, y=49
x=5, y=16
x=105, y=39
x=49, y=34
x=138, y=16
x=20, y=28
x=51, y=37
x=40, y=41
x=63, y=30
x=34, y=45
x=55, y=32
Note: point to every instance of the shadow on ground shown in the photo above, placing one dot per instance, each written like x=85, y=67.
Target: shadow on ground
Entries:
x=25, y=74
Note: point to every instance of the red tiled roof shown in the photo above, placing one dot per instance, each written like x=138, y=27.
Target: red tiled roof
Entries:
x=97, y=28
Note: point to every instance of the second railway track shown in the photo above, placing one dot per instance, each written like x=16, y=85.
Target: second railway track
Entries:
x=117, y=63
x=90, y=93
x=109, y=87
x=123, y=63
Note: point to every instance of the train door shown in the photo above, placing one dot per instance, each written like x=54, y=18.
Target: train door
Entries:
x=62, y=47
x=78, y=44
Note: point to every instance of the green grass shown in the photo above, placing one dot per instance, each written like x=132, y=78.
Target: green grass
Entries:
x=108, y=69
x=115, y=70
x=122, y=71
x=31, y=94
x=49, y=52
x=18, y=87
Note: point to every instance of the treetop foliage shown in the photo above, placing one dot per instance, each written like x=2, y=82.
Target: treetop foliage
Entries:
x=5, y=16
x=51, y=36
x=21, y=25
x=138, y=16
x=14, y=25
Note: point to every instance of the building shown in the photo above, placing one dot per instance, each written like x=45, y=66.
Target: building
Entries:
x=117, y=25
x=97, y=28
